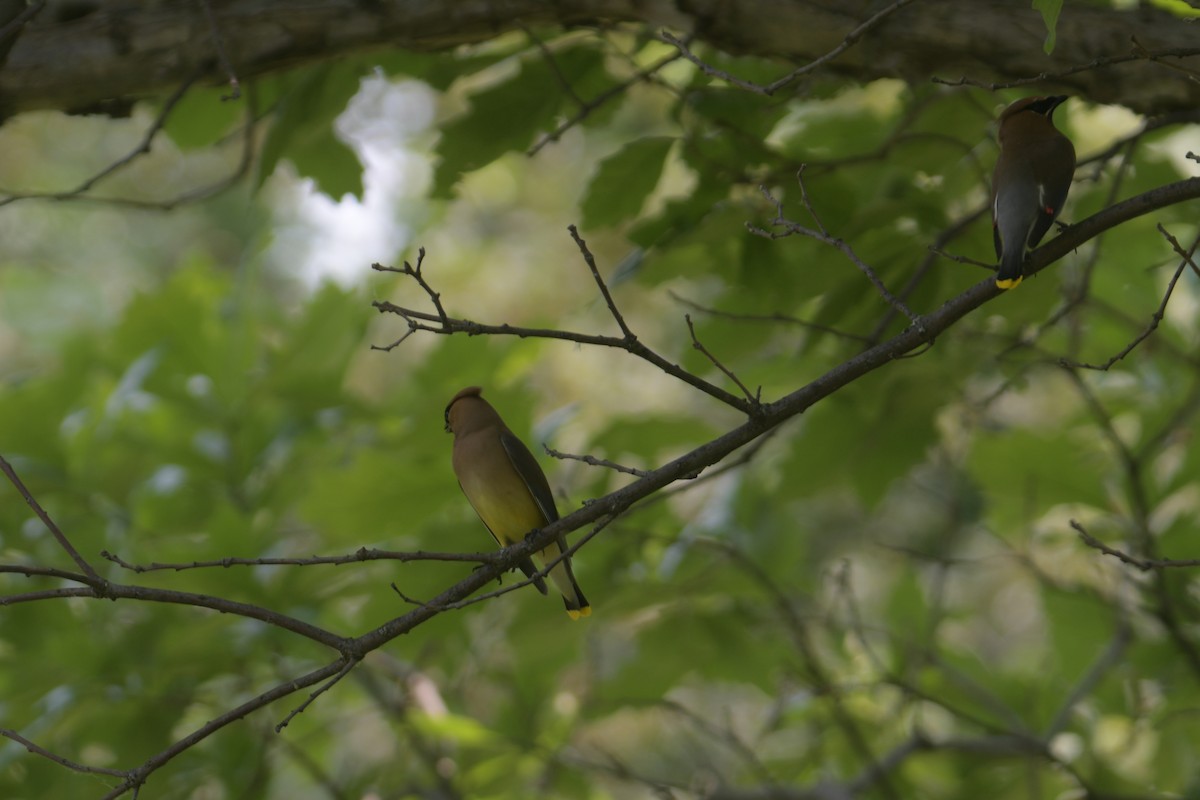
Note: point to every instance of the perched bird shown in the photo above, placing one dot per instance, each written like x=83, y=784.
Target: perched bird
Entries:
x=1033, y=175
x=508, y=489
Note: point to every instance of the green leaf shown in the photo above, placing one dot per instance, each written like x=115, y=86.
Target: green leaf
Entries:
x=202, y=116
x=1023, y=472
x=303, y=131
x=680, y=215
x=624, y=180
x=1081, y=627
x=869, y=435
x=1050, y=10
x=437, y=69
x=1179, y=8
x=506, y=116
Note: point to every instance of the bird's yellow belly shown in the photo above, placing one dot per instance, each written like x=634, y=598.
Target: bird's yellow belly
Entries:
x=506, y=507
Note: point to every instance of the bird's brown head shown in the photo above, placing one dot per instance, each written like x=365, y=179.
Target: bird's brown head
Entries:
x=463, y=407
x=1031, y=108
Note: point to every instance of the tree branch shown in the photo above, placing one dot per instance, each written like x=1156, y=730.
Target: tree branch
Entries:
x=131, y=51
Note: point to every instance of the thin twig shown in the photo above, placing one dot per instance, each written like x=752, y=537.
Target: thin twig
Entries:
x=552, y=62
x=360, y=555
x=419, y=320
x=1165, y=609
x=769, y=89
x=416, y=274
x=1103, y=61
x=594, y=462
x=57, y=759
x=93, y=578
x=320, y=690
x=222, y=56
x=42, y=572
x=783, y=318
x=148, y=594
x=821, y=234
x=1143, y=564
x=142, y=147
x=1156, y=318
x=79, y=193
x=136, y=777
x=591, y=263
x=754, y=399
x=1104, y=662
x=823, y=684
x=590, y=106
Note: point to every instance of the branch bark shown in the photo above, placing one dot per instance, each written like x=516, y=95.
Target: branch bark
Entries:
x=119, y=52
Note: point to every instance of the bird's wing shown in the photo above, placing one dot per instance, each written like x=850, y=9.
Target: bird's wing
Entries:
x=530, y=472
x=1050, y=197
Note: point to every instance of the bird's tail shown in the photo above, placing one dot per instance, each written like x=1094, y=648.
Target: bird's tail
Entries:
x=1012, y=267
x=563, y=578
x=577, y=606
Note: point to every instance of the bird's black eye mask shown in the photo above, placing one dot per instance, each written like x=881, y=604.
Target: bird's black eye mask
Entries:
x=447, y=417
x=1046, y=105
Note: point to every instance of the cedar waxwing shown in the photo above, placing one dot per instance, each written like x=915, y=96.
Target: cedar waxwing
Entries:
x=508, y=489
x=1033, y=175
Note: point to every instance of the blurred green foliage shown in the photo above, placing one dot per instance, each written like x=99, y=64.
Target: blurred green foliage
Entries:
x=898, y=562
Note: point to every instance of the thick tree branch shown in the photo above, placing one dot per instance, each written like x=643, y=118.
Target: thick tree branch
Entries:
x=769, y=415
x=136, y=50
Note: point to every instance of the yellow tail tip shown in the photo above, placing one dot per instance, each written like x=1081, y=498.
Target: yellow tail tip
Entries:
x=1009, y=283
x=576, y=613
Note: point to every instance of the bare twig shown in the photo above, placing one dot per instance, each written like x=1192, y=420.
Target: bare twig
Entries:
x=222, y=56
x=1140, y=50
x=552, y=62
x=586, y=108
x=362, y=554
x=1137, y=54
x=590, y=260
x=57, y=759
x=320, y=690
x=755, y=399
x=936, y=250
x=1157, y=317
x=1165, y=607
x=31, y=571
x=781, y=318
x=849, y=41
x=821, y=234
x=118, y=591
x=416, y=274
x=628, y=341
x=798, y=629
x=594, y=462
x=81, y=192
x=93, y=578
x=142, y=147
x=134, y=778
x=1143, y=564
x=1104, y=662
x=419, y=320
